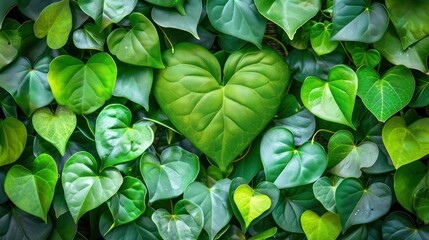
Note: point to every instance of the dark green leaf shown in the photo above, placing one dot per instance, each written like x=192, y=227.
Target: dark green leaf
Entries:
x=5, y=7
x=421, y=204
x=63, y=228
x=421, y=95
x=178, y=4
x=10, y=42
x=399, y=225
x=301, y=124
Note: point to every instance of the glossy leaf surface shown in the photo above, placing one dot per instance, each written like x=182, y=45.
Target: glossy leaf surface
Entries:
x=324, y=191
x=399, y=225
x=89, y=37
x=10, y=41
x=13, y=136
x=316, y=227
x=320, y=38
x=249, y=204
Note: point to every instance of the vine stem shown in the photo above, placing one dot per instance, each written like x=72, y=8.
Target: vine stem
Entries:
x=346, y=52
x=168, y=40
x=320, y=130
x=244, y=155
x=278, y=42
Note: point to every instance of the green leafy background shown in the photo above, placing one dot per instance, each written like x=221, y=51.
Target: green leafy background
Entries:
x=219, y=119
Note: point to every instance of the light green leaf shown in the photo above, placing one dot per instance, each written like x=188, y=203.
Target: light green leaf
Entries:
x=320, y=38
x=334, y=99
x=206, y=107
x=89, y=37
x=55, y=128
x=83, y=88
x=359, y=20
x=326, y=227
x=289, y=14
x=361, y=57
x=55, y=23
x=171, y=175
x=118, y=142
x=85, y=187
x=406, y=144
x=324, y=191
x=240, y=19
x=33, y=190
x=250, y=205
x=13, y=137
x=139, y=45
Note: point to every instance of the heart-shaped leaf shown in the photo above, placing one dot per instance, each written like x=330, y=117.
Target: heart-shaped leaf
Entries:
x=105, y=12
x=239, y=19
x=408, y=180
x=345, y=159
x=289, y=14
x=410, y=21
x=361, y=57
x=171, y=175
x=170, y=18
x=399, y=225
x=55, y=23
x=387, y=95
x=359, y=20
x=326, y=227
x=55, y=128
x=286, y=166
x=324, y=191
x=33, y=190
x=421, y=204
x=414, y=57
x=83, y=88
x=206, y=107
x=85, y=188
x=89, y=37
x=27, y=83
x=10, y=42
x=13, y=137
x=128, y=203
x=118, y=142
x=359, y=205
x=214, y=203
x=332, y=100
x=404, y=143
x=139, y=45
x=250, y=205
x=320, y=38
x=186, y=221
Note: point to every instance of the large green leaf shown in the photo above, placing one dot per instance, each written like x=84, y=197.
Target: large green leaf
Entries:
x=332, y=100
x=139, y=45
x=320, y=38
x=387, y=95
x=56, y=127
x=345, y=158
x=358, y=205
x=399, y=225
x=410, y=21
x=134, y=83
x=10, y=42
x=240, y=19
x=170, y=18
x=13, y=137
x=105, y=12
x=55, y=23
x=85, y=188
x=289, y=14
x=33, y=190
x=17, y=224
x=325, y=227
x=28, y=83
x=251, y=205
x=324, y=191
x=185, y=222
x=171, y=175
x=414, y=57
x=118, y=142
x=408, y=180
x=287, y=166
x=83, y=88
x=359, y=20
x=89, y=37
x=404, y=143
x=221, y=115
x=128, y=203
x=214, y=203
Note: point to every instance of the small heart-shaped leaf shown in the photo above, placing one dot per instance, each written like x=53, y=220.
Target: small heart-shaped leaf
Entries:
x=85, y=188
x=324, y=191
x=406, y=144
x=332, y=100
x=345, y=159
x=83, y=88
x=139, y=46
x=250, y=205
x=89, y=37
x=326, y=227
x=186, y=221
x=33, y=190
x=207, y=108
x=399, y=225
x=171, y=175
x=361, y=57
x=13, y=137
x=118, y=142
x=55, y=128
x=387, y=95
x=286, y=166
x=359, y=205
x=320, y=38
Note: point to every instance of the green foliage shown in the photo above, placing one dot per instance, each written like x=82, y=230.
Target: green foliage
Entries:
x=219, y=119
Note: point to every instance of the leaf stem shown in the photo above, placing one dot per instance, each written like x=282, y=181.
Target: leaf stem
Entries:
x=244, y=155
x=278, y=42
x=320, y=130
x=346, y=52
x=162, y=124
x=168, y=40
